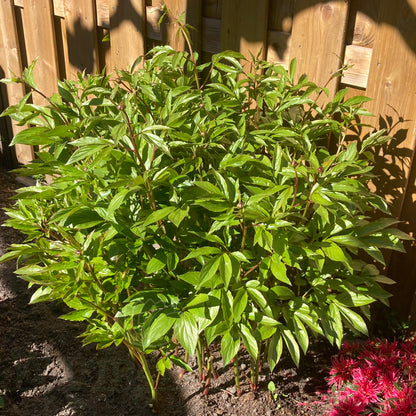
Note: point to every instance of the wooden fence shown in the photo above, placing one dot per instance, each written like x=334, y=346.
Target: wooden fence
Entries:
x=377, y=37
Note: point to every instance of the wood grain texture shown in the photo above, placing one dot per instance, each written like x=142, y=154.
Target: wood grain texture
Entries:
x=244, y=26
x=362, y=24
x=177, y=8
x=40, y=39
x=360, y=59
x=392, y=85
x=278, y=45
x=281, y=15
x=80, y=24
x=10, y=61
x=318, y=39
x=127, y=32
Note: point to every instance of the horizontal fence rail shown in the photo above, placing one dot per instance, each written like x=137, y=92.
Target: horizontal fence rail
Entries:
x=375, y=38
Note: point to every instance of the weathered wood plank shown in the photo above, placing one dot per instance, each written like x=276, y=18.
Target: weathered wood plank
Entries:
x=278, y=45
x=127, y=32
x=362, y=24
x=244, y=26
x=40, y=39
x=176, y=9
x=80, y=24
x=11, y=64
x=392, y=85
x=153, y=30
x=281, y=15
x=360, y=59
x=318, y=39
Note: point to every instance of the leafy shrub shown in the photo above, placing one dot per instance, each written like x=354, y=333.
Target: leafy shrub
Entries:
x=376, y=378
x=198, y=205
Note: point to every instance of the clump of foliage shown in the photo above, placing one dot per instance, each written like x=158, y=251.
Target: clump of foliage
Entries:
x=198, y=205
x=374, y=378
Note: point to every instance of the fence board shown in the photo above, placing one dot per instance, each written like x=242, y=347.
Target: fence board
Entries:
x=127, y=32
x=318, y=39
x=40, y=42
x=392, y=85
x=80, y=24
x=11, y=63
x=244, y=26
x=281, y=15
x=176, y=8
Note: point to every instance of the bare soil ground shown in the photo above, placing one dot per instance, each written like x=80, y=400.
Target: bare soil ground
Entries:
x=44, y=370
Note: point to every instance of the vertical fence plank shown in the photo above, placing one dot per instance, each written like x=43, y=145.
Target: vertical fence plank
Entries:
x=176, y=9
x=40, y=39
x=127, y=31
x=392, y=85
x=244, y=26
x=11, y=63
x=318, y=39
x=81, y=36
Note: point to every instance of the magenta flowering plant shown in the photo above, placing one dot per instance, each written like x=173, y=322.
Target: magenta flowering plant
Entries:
x=377, y=377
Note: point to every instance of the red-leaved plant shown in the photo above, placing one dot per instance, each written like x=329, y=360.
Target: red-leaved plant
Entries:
x=374, y=378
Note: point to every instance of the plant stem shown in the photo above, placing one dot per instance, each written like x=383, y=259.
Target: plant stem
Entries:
x=199, y=359
x=141, y=359
x=236, y=378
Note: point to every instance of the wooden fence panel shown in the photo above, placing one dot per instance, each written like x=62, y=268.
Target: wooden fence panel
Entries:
x=11, y=63
x=392, y=85
x=244, y=26
x=128, y=32
x=40, y=43
x=318, y=39
x=81, y=36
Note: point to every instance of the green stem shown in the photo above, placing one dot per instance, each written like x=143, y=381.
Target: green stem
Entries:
x=199, y=359
x=141, y=359
x=236, y=376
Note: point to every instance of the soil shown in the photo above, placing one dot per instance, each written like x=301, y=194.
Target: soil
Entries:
x=44, y=370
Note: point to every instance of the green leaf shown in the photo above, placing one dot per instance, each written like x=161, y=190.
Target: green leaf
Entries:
x=278, y=269
x=156, y=263
x=291, y=344
x=230, y=344
x=249, y=341
x=84, y=152
x=239, y=304
x=186, y=330
x=116, y=202
x=202, y=251
x=178, y=215
x=33, y=136
x=42, y=294
x=158, y=325
x=334, y=252
x=226, y=269
x=209, y=270
x=353, y=319
x=301, y=333
x=353, y=299
x=275, y=350
x=180, y=363
x=158, y=215
x=80, y=315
